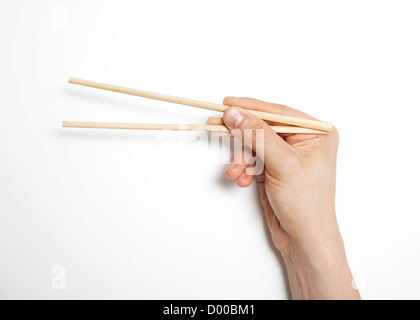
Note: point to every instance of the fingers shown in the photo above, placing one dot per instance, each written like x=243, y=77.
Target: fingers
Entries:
x=218, y=121
x=257, y=135
x=237, y=171
x=234, y=170
x=254, y=104
x=244, y=180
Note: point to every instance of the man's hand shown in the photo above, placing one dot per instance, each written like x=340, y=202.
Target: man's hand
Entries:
x=297, y=190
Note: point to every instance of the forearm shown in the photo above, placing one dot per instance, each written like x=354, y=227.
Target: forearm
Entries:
x=319, y=272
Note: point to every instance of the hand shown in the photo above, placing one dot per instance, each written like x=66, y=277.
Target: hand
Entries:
x=297, y=190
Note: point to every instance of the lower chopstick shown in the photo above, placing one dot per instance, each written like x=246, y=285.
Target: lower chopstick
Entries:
x=177, y=127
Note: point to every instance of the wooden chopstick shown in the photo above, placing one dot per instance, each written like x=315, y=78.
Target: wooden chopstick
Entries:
x=178, y=127
x=304, y=123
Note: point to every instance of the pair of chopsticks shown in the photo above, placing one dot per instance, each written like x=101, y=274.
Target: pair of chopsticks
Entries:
x=295, y=125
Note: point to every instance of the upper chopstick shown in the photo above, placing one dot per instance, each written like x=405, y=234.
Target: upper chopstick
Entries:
x=304, y=123
x=179, y=127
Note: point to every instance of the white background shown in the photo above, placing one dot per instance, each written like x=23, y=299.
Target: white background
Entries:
x=129, y=215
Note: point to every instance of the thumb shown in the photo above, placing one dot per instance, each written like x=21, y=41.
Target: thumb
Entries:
x=257, y=135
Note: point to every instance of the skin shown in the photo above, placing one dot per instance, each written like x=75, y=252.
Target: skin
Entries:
x=297, y=191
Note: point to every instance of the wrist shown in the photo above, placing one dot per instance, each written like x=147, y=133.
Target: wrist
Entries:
x=319, y=271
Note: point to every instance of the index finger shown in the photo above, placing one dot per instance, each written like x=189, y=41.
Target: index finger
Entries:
x=254, y=104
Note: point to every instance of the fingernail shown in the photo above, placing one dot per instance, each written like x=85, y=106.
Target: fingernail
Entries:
x=234, y=117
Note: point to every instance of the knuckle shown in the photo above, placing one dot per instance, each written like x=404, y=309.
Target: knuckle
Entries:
x=335, y=135
x=280, y=109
